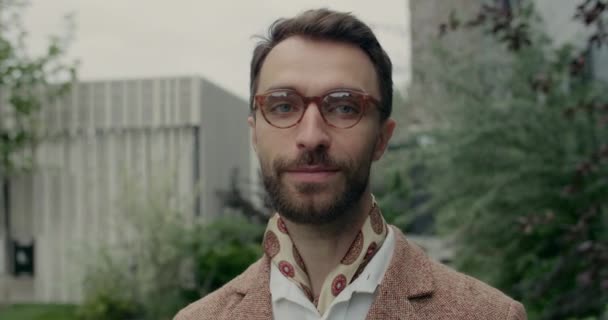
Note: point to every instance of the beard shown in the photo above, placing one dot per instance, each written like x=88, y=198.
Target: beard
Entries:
x=305, y=204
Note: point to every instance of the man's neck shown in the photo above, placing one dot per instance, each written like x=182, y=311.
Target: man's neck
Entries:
x=323, y=247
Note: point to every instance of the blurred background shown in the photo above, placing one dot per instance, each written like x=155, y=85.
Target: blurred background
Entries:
x=128, y=188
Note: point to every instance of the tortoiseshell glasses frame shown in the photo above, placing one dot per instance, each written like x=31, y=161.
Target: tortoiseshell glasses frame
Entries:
x=340, y=108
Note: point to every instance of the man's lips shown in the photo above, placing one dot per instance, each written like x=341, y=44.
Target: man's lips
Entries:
x=312, y=169
x=311, y=174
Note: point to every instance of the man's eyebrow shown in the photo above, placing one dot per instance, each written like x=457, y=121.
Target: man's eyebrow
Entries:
x=336, y=88
x=279, y=87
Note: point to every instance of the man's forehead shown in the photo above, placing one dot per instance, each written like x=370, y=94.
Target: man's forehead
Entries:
x=317, y=65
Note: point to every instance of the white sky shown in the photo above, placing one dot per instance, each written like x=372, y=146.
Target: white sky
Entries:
x=118, y=39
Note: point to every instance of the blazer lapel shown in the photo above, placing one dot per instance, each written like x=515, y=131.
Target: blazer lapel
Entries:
x=408, y=276
x=256, y=303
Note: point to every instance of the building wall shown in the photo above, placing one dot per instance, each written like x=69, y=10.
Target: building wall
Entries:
x=111, y=141
x=600, y=63
x=226, y=144
x=557, y=19
x=427, y=15
x=426, y=18
x=562, y=28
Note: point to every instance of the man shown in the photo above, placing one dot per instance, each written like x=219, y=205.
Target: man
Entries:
x=321, y=94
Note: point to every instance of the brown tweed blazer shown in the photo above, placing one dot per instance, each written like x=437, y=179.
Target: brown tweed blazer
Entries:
x=414, y=287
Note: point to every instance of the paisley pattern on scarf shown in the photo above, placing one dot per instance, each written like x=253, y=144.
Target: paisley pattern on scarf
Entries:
x=285, y=256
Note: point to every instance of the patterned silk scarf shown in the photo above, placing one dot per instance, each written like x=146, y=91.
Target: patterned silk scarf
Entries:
x=284, y=254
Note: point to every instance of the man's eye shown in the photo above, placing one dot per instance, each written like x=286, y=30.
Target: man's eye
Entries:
x=344, y=109
x=282, y=108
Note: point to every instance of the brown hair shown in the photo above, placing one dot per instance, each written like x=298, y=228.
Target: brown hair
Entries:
x=325, y=24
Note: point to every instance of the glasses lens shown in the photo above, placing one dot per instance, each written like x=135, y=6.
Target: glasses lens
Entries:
x=283, y=108
x=343, y=109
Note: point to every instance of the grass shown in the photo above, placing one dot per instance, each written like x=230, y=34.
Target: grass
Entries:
x=38, y=312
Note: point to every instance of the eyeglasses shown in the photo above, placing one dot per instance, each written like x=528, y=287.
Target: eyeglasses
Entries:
x=340, y=109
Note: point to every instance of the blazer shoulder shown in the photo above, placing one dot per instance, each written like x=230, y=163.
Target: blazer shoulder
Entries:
x=218, y=304
x=474, y=299
x=210, y=307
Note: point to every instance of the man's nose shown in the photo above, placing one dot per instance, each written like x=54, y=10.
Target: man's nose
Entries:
x=312, y=131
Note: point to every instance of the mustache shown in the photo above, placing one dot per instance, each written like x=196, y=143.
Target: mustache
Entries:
x=308, y=158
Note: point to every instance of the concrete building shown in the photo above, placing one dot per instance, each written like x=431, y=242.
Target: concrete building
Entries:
x=107, y=140
x=559, y=24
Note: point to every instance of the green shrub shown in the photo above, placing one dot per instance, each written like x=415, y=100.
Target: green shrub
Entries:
x=166, y=259
x=518, y=165
x=109, y=293
x=221, y=251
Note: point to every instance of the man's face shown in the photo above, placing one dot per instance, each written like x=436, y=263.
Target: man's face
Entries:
x=315, y=173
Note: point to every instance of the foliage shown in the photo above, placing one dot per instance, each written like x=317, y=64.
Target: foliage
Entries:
x=517, y=168
x=109, y=291
x=26, y=83
x=403, y=193
x=38, y=312
x=222, y=250
x=166, y=258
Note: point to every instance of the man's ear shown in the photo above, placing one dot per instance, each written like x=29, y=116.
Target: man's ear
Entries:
x=254, y=140
x=386, y=132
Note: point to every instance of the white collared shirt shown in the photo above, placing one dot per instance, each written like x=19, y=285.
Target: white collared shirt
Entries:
x=353, y=303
